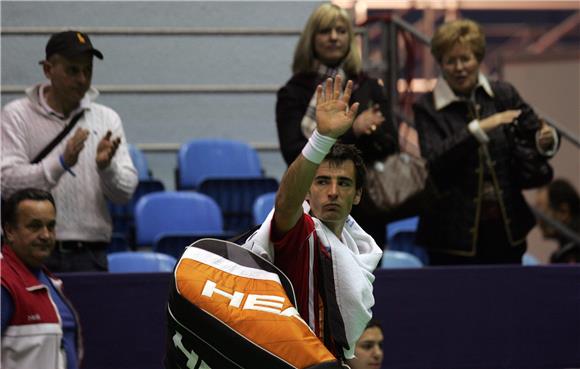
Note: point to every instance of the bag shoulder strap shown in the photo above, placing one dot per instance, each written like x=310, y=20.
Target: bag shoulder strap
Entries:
x=57, y=139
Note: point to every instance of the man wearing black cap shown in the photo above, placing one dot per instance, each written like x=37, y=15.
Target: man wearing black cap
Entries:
x=89, y=165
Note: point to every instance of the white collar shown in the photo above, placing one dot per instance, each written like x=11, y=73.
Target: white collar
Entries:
x=443, y=95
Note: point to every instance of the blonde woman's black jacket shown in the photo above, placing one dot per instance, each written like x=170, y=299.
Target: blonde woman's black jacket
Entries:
x=293, y=100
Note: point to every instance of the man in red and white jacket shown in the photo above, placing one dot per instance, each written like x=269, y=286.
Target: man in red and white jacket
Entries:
x=40, y=328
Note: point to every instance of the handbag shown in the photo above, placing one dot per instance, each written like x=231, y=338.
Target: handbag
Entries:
x=395, y=181
x=529, y=168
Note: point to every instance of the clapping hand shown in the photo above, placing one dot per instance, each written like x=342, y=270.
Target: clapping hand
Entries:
x=74, y=146
x=106, y=150
x=333, y=117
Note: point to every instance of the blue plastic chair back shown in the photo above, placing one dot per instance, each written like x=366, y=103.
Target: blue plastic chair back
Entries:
x=263, y=206
x=236, y=197
x=401, y=237
x=403, y=225
x=140, y=162
x=123, y=216
x=134, y=262
x=175, y=212
x=200, y=159
x=399, y=259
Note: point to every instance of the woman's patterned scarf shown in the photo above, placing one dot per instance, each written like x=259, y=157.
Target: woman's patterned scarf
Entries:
x=308, y=123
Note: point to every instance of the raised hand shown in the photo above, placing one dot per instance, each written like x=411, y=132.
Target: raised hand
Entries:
x=106, y=150
x=333, y=117
x=74, y=146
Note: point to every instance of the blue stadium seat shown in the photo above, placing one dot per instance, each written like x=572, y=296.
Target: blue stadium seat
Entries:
x=175, y=212
x=399, y=259
x=123, y=216
x=200, y=159
x=262, y=207
x=236, y=197
x=401, y=237
x=134, y=262
x=140, y=163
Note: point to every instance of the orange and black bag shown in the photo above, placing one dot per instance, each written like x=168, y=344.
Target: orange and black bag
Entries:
x=230, y=308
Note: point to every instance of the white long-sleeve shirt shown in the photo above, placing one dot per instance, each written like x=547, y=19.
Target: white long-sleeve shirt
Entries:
x=28, y=126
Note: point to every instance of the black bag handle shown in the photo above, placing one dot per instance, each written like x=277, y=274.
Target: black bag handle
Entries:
x=57, y=139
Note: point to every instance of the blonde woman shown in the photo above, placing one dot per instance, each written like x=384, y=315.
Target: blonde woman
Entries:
x=327, y=48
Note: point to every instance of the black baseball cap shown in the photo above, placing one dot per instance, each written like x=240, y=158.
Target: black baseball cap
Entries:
x=70, y=43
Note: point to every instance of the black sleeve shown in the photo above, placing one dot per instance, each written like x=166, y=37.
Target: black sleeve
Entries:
x=290, y=109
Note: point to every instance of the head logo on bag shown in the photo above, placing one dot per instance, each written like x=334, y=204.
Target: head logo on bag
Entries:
x=230, y=308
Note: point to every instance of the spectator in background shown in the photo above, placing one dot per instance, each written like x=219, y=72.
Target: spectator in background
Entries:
x=89, y=166
x=369, y=348
x=560, y=201
x=472, y=132
x=40, y=328
x=310, y=236
x=327, y=48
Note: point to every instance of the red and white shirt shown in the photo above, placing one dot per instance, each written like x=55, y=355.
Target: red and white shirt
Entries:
x=298, y=257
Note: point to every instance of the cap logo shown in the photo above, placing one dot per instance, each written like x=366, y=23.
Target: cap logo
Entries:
x=81, y=38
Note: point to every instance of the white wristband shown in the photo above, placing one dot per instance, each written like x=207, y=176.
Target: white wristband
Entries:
x=477, y=132
x=317, y=147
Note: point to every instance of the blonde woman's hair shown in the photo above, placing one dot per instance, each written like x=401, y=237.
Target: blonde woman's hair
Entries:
x=324, y=17
x=462, y=31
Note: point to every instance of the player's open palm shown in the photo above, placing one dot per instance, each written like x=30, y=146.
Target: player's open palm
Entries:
x=333, y=117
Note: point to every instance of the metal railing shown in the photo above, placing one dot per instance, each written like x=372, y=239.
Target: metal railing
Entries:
x=393, y=26
x=154, y=31
x=561, y=228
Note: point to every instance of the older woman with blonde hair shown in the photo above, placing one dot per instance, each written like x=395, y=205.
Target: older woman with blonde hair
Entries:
x=327, y=47
x=484, y=144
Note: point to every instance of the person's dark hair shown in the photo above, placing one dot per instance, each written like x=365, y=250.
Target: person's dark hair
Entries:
x=561, y=192
x=341, y=153
x=374, y=323
x=9, y=215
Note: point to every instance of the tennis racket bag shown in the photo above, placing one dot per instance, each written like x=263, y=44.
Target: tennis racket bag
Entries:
x=230, y=308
